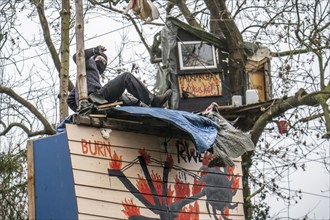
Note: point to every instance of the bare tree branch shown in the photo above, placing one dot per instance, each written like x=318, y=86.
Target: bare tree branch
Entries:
x=280, y=106
x=94, y=2
x=47, y=36
x=295, y=52
x=190, y=18
x=48, y=128
x=24, y=128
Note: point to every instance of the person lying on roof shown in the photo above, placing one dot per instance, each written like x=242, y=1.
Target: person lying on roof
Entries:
x=96, y=62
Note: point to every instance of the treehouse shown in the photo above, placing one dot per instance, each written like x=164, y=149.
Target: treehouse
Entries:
x=121, y=162
x=128, y=166
x=195, y=67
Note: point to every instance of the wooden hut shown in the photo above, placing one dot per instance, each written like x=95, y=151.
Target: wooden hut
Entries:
x=257, y=68
x=96, y=171
x=196, y=69
x=198, y=66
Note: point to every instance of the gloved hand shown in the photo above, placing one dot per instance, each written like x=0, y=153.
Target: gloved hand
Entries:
x=99, y=49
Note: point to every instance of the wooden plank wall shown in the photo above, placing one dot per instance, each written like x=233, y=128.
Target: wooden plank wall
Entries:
x=138, y=176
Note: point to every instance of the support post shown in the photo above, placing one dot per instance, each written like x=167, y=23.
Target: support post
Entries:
x=80, y=53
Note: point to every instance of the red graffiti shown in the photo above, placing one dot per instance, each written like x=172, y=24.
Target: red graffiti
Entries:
x=170, y=161
x=197, y=187
x=230, y=171
x=182, y=189
x=143, y=187
x=157, y=181
x=235, y=184
x=96, y=148
x=207, y=158
x=180, y=193
x=170, y=194
x=226, y=212
x=116, y=161
x=130, y=208
x=146, y=155
x=189, y=213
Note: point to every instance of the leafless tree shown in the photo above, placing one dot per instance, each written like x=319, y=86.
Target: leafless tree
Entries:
x=296, y=31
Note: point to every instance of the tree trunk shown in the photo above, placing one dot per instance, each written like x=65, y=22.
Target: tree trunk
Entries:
x=227, y=27
x=65, y=58
x=223, y=25
x=47, y=37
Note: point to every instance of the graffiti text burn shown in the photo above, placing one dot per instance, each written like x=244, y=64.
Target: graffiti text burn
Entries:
x=96, y=148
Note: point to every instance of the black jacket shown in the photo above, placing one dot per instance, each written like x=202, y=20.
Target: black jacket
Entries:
x=93, y=78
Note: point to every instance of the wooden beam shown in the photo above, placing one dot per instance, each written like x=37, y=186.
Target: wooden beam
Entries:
x=31, y=192
x=100, y=107
x=124, y=122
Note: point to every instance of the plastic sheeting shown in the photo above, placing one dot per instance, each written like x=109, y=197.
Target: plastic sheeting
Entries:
x=208, y=130
x=166, y=75
x=203, y=131
x=230, y=141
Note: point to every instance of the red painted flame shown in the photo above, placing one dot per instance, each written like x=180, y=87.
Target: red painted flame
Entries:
x=235, y=183
x=116, y=161
x=130, y=208
x=145, y=155
x=197, y=187
x=189, y=213
x=182, y=189
x=207, y=158
x=170, y=194
x=158, y=183
x=143, y=187
x=230, y=171
x=226, y=212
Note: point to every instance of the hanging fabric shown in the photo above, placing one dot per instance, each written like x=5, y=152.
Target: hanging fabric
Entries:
x=143, y=9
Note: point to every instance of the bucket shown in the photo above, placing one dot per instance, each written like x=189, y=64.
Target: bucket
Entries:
x=236, y=100
x=282, y=126
x=251, y=96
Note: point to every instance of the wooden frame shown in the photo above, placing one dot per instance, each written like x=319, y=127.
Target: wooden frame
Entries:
x=196, y=55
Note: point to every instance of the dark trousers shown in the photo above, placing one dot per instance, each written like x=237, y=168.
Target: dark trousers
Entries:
x=114, y=89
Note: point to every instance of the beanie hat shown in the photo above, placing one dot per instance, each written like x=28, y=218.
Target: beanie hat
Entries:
x=104, y=56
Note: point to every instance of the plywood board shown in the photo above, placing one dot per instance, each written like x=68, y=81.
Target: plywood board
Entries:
x=111, y=184
x=126, y=157
x=129, y=208
x=257, y=81
x=200, y=85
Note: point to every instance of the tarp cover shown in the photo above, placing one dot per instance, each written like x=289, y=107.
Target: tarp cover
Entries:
x=230, y=141
x=208, y=130
x=202, y=130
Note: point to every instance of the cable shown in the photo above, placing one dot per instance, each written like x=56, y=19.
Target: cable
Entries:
x=45, y=53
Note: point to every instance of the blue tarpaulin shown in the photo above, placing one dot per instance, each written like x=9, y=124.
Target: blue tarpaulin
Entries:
x=207, y=130
x=202, y=130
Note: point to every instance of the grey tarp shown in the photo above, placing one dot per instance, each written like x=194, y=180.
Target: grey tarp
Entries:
x=230, y=141
x=166, y=75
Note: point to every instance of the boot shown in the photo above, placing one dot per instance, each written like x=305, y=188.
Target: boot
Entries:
x=130, y=100
x=159, y=100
